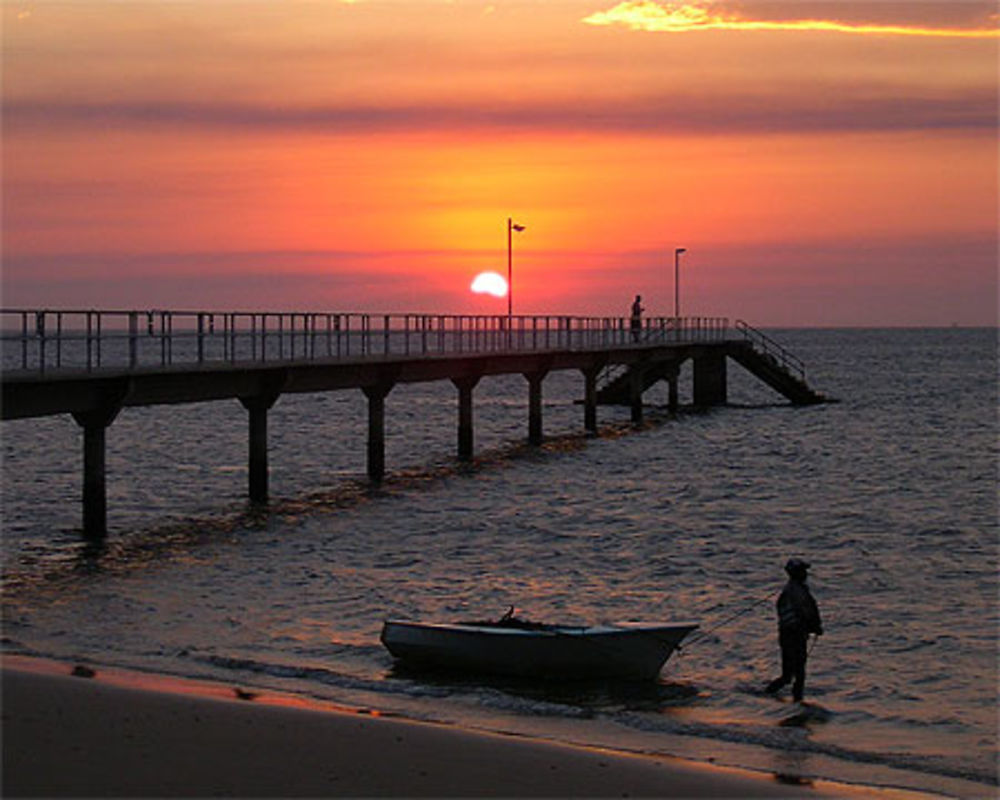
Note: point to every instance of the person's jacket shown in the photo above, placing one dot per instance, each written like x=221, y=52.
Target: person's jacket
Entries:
x=797, y=611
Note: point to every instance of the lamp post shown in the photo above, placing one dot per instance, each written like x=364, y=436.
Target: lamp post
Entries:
x=511, y=227
x=677, y=282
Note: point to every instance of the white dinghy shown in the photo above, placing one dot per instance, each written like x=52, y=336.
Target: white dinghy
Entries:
x=626, y=651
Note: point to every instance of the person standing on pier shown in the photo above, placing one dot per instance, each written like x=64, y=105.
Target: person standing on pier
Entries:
x=798, y=616
x=637, y=318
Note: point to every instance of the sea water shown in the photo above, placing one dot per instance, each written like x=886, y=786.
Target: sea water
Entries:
x=891, y=493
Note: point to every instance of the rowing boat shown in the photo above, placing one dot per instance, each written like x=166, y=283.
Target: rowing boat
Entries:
x=627, y=651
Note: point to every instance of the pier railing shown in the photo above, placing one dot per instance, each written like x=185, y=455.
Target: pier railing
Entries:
x=41, y=340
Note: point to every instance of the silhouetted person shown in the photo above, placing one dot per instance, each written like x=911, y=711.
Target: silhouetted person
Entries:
x=798, y=616
x=637, y=318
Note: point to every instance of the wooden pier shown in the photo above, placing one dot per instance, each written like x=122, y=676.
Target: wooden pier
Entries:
x=91, y=364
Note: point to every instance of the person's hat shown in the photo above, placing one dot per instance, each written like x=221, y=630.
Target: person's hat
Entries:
x=796, y=565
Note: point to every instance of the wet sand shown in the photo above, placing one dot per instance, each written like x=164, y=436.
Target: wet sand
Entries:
x=121, y=734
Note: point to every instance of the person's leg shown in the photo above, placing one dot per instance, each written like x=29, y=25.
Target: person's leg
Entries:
x=787, y=667
x=799, y=653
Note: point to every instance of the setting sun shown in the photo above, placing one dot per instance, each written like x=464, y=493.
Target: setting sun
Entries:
x=490, y=283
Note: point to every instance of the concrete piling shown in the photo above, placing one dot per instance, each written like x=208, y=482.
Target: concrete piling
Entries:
x=635, y=394
x=535, y=379
x=465, y=430
x=376, y=429
x=258, y=473
x=590, y=399
x=95, y=498
x=710, y=379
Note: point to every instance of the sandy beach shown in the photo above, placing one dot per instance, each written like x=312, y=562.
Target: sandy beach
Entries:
x=122, y=734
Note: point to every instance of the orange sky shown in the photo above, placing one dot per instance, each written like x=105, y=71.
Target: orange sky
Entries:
x=824, y=163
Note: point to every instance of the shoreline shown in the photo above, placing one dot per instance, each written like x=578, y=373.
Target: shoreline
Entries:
x=100, y=731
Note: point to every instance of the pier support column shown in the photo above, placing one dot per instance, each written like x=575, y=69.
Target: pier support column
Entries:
x=465, y=430
x=95, y=494
x=635, y=378
x=535, y=406
x=95, y=497
x=710, y=380
x=376, y=429
x=590, y=399
x=673, y=396
x=257, y=407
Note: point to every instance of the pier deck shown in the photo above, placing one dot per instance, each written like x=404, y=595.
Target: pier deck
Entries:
x=92, y=364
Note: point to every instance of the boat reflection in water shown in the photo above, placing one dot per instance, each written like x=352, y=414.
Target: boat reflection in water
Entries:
x=625, y=651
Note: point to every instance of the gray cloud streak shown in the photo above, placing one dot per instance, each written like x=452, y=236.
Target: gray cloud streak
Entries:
x=974, y=109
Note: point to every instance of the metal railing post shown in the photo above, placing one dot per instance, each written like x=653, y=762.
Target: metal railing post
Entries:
x=40, y=334
x=89, y=335
x=24, y=340
x=59, y=328
x=201, y=338
x=168, y=337
x=133, y=338
x=234, y=326
x=100, y=335
x=263, y=337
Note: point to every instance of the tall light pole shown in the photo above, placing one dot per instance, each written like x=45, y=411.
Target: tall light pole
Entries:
x=511, y=227
x=677, y=281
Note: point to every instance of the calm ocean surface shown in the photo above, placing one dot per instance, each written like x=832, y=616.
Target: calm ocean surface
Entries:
x=891, y=493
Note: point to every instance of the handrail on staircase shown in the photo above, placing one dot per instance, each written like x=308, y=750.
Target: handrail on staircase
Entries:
x=769, y=348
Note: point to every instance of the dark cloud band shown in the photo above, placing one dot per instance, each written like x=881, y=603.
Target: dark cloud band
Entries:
x=675, y=115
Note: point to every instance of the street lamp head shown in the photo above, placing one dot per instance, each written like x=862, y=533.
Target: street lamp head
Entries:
x=680, y=250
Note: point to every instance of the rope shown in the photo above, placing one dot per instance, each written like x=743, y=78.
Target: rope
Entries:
x=701, y=635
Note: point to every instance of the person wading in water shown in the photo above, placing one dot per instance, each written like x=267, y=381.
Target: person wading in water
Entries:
x=798, y=616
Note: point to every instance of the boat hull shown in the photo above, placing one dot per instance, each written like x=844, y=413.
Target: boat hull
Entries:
x=625, y=652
